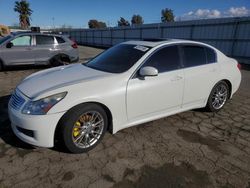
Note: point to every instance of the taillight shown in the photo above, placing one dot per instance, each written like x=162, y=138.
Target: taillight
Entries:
x=74, y=45
x=239, y=66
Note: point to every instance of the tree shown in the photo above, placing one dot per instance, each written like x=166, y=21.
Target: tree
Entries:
x=123, y=22
x=23, y=8
x=167, y=15
x=137, y=20
x=96, y=24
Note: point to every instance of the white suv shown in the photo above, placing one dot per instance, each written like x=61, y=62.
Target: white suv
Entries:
x=31, y=48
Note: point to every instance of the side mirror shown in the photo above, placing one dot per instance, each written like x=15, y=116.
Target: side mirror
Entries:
x=148, y=71
x=9, y=45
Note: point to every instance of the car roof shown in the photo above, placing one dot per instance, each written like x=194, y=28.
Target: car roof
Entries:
x=35, y=33
x=156, y=42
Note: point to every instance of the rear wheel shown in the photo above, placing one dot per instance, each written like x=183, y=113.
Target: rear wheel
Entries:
x=83, y=127
x=218, y=97
x=1, y=66
x=59, y=60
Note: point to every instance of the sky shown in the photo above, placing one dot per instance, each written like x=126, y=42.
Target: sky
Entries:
x=77, y=13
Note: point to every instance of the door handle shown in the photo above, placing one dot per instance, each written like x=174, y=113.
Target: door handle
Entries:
x=176, y=78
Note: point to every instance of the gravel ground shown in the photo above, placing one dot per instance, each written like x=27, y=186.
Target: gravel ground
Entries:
x=192, y=149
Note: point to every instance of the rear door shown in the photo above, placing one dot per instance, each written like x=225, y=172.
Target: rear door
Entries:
x=21, y=52
x=201, y=71
x=45, y=48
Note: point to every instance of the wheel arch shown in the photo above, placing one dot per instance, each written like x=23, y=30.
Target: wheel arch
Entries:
x=229, y=84
x=2, y=62
x=64, y=55
x=107, y=110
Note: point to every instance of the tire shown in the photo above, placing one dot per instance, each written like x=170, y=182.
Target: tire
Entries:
x=218, y=97
x=83, y=127
x=1, y=66
x=59, y=60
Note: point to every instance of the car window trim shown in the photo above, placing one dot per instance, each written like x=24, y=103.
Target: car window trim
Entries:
x=135, y=73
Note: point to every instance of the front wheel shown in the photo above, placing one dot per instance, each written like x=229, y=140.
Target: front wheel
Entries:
x=83, y=127
x=218, y=97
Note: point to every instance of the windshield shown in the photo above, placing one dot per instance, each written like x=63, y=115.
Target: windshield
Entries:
x=118, y=59
x=2, y=40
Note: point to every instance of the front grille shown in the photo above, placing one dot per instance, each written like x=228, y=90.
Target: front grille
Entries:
x=16, y=101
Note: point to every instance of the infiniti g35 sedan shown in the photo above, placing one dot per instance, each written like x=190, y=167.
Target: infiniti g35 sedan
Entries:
x=131, y=83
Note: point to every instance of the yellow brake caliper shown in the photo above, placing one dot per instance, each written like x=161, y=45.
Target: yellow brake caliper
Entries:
x=82, y=119
x=76, y=129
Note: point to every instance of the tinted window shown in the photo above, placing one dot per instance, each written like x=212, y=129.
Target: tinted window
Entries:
x=194, y=56
x=166, y=59
x=60, y=40
x=43, y=40
x=118, y=58
x=22, y=41
x=211, y=57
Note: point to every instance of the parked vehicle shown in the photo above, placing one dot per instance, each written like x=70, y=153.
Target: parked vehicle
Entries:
x=33, y=48
x=129, y=84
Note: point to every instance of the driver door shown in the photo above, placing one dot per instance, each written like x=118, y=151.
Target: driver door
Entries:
x=153, y=95
x=20, y=52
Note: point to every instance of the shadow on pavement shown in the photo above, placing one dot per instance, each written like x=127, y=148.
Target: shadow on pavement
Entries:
x=6, y=133
x=25, y=67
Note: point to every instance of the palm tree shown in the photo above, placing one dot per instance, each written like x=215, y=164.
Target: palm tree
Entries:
x=167, y=15
x=23, y=8
x=137, y=20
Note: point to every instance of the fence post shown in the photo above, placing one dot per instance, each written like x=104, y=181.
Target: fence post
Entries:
x=235, y=33
x=111, y=36
x=141, y=32
x=191, y=31
x=101, y=38
x=124, y=34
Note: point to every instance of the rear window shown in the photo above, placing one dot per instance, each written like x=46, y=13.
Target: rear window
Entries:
x=211, y=56
x=43, y=40
x=194, y=56
x=60, y=40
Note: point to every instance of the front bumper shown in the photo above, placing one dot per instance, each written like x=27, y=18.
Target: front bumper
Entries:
x=42, y=127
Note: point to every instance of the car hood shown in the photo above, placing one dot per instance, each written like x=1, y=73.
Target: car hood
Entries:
x=58, y=77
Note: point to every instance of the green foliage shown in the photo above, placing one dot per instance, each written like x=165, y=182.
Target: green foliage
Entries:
x=123, y=22
x=137, y=20
x=23, y=8
x=167, y=15
x=96, y=24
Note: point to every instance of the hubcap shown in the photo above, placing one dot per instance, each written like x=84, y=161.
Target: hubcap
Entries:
x=88, y=129
x=219, y=96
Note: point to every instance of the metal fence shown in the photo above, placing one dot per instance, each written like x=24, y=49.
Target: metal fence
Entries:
x=230, y=35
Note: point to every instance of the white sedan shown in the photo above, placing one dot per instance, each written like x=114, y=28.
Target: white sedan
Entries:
x=129, y=84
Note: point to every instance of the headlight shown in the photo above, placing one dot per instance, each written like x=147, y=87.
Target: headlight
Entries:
x=42, y=106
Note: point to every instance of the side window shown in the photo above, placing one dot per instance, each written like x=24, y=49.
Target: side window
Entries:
x=166, y=59
x=22, y=41
x=60, y=40
x=43, y=40
x=211, y=56
x=194, y=56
